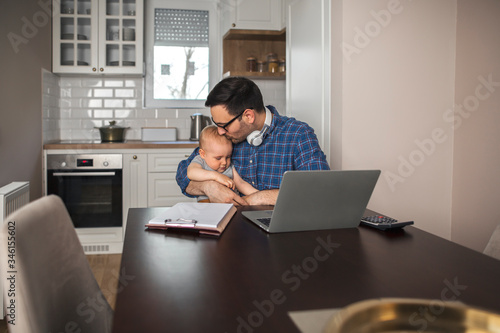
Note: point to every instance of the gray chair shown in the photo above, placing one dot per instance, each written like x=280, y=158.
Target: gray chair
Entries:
x=493, y=247
x=55, y=289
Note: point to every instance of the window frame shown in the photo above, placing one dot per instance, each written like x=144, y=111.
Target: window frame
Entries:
x=214, y=44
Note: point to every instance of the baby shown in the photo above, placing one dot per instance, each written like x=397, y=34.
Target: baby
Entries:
x=214, y=163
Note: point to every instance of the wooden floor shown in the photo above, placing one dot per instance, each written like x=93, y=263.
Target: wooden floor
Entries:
x=106, y=268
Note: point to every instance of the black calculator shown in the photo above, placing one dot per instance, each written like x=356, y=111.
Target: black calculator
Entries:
x=383, y=222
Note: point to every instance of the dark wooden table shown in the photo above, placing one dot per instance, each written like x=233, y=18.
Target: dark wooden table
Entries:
x=248, y=281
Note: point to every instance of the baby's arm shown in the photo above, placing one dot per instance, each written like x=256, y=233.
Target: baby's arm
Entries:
x=197, y=173
x=242, y=186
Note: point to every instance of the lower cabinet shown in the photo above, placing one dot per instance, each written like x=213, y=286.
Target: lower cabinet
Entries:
x=163, y=190
x=149, y=179
x=135, y=181
x=162, y=186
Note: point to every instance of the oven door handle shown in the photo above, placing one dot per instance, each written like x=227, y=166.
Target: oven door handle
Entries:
x=78, y=174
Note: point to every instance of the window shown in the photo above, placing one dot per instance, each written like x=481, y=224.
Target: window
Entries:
x=181, y=52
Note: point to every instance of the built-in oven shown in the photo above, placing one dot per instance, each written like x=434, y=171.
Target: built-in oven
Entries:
x=90, y=185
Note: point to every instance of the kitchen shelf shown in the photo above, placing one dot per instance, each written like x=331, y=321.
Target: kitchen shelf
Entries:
x=238, y=45
x=261, y=35
x=257, y=75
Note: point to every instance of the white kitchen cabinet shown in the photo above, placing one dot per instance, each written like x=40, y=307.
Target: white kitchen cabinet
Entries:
x=163, y=190
x=252, y=14
x=162, y=186
x=149, y=179
x=97, y=36
x=135, y=182
x=285, y=5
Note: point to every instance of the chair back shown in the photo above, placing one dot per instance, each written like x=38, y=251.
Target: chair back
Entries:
x=50, y=286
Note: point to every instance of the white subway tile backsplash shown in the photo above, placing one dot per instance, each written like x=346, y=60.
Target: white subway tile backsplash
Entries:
x=179, y=123
x=65, y=113
x=91, y=124
x=166, y=113
x=133, y=83
x=183, y=133
x=103, y=92
x=124, y=113
x=71, y=123
x=187, y=113
x=113, y=83
x=65, y=92
x=113, y=103
x=156, y=123
x=103, y=114
x=147, y=113
x=84, y=134
x=73, y=106
x=71, y=82
x=91, y=103
x=124, y=93
x=134, y=123
x=81, y=92
x=91, y=82
x=52, y=101
x=132, y=103
x=49, y=113
x=71, y=102
x=82, y=113
x=65, y=134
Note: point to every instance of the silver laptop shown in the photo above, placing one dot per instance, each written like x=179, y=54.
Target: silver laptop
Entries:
x=315, y=200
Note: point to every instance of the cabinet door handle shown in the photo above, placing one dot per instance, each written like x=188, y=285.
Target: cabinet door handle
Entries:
x=102, y=69
x=134, y=157
x=94, y=69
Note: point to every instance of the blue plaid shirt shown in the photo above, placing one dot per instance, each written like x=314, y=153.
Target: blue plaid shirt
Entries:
x=289, y=144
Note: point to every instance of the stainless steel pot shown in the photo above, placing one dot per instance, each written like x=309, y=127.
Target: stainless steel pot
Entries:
x=112, y=132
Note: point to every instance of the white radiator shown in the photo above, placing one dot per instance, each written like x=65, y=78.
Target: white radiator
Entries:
x=12, y=197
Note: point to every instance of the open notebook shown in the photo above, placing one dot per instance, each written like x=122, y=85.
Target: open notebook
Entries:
x=207, y=218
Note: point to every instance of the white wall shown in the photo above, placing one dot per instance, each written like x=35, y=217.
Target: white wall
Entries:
x=398, y=74
x=476, y=160
x=24, y=51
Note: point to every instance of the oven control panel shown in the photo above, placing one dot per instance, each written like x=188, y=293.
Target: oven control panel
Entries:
x=92, y=161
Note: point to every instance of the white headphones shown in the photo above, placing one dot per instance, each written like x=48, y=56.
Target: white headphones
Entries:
x=257, y=137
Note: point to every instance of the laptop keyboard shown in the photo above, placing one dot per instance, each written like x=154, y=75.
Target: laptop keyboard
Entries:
x=265, y=221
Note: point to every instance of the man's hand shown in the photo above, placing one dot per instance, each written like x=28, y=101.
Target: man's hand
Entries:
x=220, y=193
x=215, y=192
x=265, y=197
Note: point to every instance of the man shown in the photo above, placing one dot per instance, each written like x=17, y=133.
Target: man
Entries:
x=265, y=144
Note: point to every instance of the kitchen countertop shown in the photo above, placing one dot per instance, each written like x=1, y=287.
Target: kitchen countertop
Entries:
x=128, y=144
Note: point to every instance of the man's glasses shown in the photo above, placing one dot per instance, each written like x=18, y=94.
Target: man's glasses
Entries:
x=224, y=126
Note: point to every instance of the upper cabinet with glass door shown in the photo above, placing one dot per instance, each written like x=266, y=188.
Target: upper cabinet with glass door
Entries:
x=98, y=36
x=121, y=36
